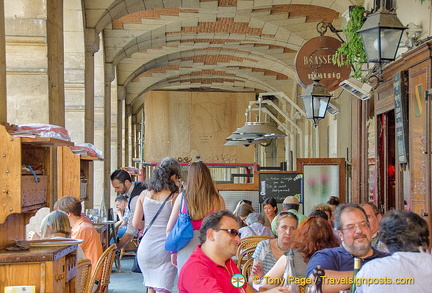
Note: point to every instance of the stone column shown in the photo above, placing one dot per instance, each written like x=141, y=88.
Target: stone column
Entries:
x=127, y=140
x=121, y=92
x=109, y=77
x=55, y=56
x=91, y=46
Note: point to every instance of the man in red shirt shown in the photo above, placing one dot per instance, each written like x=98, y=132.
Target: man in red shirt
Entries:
x=210, y=267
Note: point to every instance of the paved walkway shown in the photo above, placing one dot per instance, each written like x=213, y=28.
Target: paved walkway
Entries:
x=126, y=281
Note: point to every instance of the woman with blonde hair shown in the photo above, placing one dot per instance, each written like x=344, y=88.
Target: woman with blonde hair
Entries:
x=313, y=234
x=202, y=199
x=56, y=225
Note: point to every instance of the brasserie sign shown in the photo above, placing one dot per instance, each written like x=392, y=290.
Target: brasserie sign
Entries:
x=317, y=55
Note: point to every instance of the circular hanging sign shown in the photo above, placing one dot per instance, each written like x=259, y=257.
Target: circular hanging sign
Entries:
x=316, y=55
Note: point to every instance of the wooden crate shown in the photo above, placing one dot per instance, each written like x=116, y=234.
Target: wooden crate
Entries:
x=34, y=194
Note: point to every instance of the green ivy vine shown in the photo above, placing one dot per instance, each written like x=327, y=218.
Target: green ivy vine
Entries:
x=351, y=52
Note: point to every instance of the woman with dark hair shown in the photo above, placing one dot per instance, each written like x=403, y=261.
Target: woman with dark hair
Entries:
x=153, y=259
x=270, y=209
x=201, y=199
x=313, y=234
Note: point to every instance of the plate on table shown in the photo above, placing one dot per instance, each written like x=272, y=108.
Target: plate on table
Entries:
x=55, y=242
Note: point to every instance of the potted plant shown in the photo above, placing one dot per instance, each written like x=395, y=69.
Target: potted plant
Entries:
x=352, y=52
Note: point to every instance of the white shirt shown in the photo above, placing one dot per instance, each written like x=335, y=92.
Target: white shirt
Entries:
x=397, y=268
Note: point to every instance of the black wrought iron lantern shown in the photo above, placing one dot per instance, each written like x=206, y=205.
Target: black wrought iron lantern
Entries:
x=315, y=100
x=381, y=34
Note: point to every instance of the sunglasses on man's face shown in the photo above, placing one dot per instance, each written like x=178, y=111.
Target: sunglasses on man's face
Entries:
x=232, y=232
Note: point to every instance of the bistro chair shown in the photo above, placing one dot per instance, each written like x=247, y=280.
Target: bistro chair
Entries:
x=102, y=273
x=247, y=268
x=83, y=275
x=246, y=249
x=244, y=256
x=251, y=241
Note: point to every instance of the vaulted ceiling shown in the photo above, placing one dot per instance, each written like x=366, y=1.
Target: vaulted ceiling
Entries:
x=225, y=45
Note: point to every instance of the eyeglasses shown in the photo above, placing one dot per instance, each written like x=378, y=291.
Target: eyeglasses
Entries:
x=351, y=227
x=232, y=232
x=288, y=214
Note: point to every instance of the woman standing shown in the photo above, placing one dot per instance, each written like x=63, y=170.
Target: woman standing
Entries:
x=153, y=259
x=201, y=198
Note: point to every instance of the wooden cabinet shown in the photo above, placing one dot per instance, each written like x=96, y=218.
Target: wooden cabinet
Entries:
x=49, y=269
x=25, y=192
x=68, y=170
x=22, y=193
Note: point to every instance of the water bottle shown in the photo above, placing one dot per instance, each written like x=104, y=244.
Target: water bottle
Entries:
x=290, y=272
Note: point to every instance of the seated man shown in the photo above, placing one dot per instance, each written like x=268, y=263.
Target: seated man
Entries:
x=210, y=267
x=353, y=229
x=81, y=228
x=406, y=235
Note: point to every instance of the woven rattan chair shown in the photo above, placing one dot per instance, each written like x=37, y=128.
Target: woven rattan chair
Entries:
x=247, y=268
x=83, y=275
x=251, y=241
x=244, y=256
x=246, y=249
x=102, y=273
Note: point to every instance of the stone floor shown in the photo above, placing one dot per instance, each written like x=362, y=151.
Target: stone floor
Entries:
x=127, y=282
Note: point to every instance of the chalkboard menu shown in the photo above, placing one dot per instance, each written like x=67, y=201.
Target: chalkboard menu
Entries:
x=279, y=185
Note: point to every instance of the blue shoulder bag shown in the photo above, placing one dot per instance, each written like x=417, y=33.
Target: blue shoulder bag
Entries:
x=182, y=232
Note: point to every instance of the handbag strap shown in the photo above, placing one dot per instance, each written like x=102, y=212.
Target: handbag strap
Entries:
x=157, y=214
x=181, y=204
x=253, y=232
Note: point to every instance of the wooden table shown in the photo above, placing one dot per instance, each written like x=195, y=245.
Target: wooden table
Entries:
x=49, y=269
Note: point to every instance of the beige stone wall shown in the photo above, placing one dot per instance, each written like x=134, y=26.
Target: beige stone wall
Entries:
x=26, y=61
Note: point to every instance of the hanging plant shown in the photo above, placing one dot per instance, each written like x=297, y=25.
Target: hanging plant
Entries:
x=352, y=52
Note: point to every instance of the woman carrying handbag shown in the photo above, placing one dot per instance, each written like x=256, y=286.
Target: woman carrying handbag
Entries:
x=200, y=199
x=156, y=204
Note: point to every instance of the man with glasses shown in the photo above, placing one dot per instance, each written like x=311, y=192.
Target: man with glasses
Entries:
x=210, y=267
x=354, y=231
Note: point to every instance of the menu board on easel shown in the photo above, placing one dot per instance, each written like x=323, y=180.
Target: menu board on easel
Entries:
x=279, y=185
